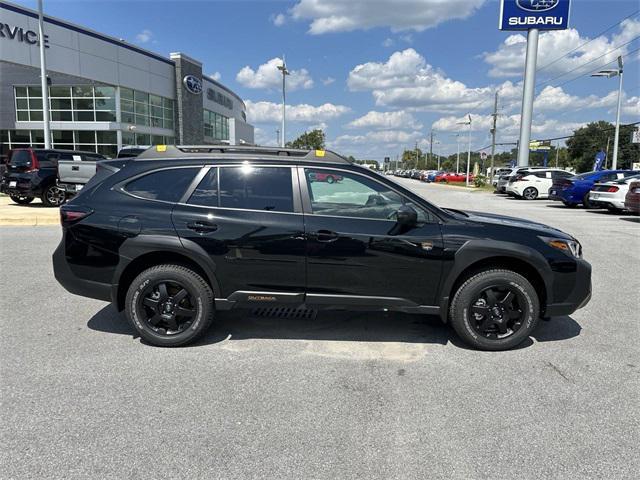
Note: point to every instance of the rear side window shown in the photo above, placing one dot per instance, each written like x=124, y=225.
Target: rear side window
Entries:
x=206, y=193
x=256, y=188
x=166, y=185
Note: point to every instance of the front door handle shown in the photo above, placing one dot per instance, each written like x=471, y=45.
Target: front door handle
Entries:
x=326, y=236
x=202, y=227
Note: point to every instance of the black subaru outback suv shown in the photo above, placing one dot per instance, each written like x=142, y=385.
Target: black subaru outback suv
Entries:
x=180, y=233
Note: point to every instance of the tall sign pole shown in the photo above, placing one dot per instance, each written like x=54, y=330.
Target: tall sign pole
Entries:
x=493, y=137
x=43, y=79
x=614, y=164
x=532, y=16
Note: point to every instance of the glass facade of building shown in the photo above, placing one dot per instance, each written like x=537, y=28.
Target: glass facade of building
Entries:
x=84, y=103
x=140, y=108
x=104, y=142
x=216, y=126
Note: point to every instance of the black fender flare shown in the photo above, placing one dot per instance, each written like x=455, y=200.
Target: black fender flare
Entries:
x=140, y=245
x=478, y=250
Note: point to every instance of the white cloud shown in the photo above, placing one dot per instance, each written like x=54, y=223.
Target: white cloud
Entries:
x=386, y=121
x=406, y=80
x=328, y=80
x=278, y=20
x=508, y=126
x=508, y=59
x=329, y=16
x=145, y=36
x=388, y=42
x=556, y=99
x=269, y=112
x=631, y=107
x=215, y=76
x=386, y=138
x=268, y=76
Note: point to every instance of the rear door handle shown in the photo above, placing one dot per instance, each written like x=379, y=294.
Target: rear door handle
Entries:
x=202, y=227
x=326, y=236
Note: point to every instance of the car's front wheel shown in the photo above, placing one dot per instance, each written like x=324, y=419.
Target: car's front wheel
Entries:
x=169, y=305
x=494, y=310
x=21, y=199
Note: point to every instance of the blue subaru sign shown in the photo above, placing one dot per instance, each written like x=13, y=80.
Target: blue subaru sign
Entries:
x=192, y=84
x=540, y=14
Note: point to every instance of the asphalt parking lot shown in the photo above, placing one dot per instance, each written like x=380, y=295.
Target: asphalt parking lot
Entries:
x=340, y=396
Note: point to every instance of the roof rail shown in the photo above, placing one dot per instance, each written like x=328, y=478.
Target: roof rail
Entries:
x=172, y=152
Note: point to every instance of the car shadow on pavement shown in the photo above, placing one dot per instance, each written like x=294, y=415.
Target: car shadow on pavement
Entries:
x=244, y=324
x=631, y=219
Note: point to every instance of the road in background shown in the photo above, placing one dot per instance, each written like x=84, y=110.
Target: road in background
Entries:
x=343, y=396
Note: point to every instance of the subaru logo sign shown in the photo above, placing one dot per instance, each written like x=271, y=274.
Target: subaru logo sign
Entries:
x=539, y=14
x=537, y=5
x=192, y=84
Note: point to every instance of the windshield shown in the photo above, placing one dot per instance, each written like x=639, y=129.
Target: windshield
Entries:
x=583, y=175
x=20, y=158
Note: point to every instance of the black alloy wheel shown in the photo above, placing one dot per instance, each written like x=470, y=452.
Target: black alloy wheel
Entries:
x=167, y=307
x=170, y=305
x=496, y=313
x=586, y=202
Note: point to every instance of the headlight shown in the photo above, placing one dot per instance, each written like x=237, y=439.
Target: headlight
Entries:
x=571, y=247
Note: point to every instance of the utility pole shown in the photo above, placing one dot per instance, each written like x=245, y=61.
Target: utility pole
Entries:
x=606, y=158
x=469, y=151
x=417, y=157
x=557, y=153
x=285, y=72
x=43, y=79
x=493, y=137
x=614, y=164
x=277, y=136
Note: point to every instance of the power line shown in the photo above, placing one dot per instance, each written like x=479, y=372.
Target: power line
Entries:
x=587, y=63
x=588, y=41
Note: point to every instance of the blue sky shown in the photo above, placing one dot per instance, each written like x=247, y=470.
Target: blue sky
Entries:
x=378, y=75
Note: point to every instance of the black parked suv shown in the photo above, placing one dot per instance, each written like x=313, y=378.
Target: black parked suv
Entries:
x=180, y=233
x=32, y=172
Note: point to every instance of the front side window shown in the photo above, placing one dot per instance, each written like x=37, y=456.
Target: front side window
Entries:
x=342, y=194
x=166, y=185
x=256, y=188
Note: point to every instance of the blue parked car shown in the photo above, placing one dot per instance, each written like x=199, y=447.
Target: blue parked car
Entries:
x=432, y=176
x=575, y=190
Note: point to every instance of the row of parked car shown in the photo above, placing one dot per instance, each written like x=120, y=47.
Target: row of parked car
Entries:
x=615, y=190
x=53, y=175
x=436, y=176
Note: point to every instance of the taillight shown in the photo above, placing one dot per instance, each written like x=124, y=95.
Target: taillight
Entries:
x=70, y=214
x=518, y=178
x=35, y=164
x=612, y=189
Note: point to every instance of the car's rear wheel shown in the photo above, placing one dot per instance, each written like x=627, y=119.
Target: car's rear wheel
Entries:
x=494, y=310
x=21, y=199
x=53, y=196
x=530, y=193
x=169, y=305
x=586, y=202
x=330, y=179
x=568, y=204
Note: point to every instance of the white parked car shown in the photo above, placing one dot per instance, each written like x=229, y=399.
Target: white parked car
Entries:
x=611, y=194
x=532, y=184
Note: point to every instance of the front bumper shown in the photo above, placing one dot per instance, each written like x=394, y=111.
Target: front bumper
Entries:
x=579, y=295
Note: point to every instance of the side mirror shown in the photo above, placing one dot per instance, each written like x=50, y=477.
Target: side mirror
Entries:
x=407, y=216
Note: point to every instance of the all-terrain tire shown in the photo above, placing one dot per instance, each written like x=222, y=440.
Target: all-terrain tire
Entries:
x=201, y=296
x=460, y=316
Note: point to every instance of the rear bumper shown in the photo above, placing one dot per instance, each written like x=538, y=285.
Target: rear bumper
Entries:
x=75, y=285
x=579, y=296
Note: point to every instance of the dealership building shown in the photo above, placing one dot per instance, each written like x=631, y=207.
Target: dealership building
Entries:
x=105, y=93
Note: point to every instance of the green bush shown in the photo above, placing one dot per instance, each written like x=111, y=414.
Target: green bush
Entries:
x=480, y=181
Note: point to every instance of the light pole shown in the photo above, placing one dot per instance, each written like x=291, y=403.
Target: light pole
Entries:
x=527, y=96
x=43, y=79
x=469, y=151
x=285, y=72
x=458, y=157
x=609, y=74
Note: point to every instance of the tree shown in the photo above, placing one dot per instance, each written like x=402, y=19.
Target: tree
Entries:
x=313, y=140
x=588, y=140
